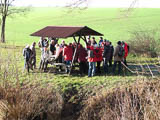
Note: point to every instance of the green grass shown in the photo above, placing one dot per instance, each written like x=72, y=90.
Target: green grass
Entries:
x=12, y=57
x=105, y=20
x=109, y=21
x=74, y=89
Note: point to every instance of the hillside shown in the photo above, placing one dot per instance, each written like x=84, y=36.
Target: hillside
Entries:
x=112, y=22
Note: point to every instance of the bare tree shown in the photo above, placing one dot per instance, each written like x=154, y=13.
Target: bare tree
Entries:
x=83, y=4
x=77, y=4
x=6, y=9
x=127, y=12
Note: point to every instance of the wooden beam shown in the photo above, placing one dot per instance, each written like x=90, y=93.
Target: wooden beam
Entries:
x=75, y=51
x=85, y=39
x=75, y=39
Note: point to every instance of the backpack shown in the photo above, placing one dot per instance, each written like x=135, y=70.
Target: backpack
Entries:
x=121, y=51
x=90, y=54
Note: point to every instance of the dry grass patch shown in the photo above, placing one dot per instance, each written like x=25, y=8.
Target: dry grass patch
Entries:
x=29, y=102
x=140, y=101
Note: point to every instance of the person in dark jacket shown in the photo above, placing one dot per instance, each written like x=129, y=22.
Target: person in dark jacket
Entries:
x=27, y=57
x=111, y=55
x=82, y=59
x=106, y=56
x=52, y=47
x=117, y=58
x=33, y=56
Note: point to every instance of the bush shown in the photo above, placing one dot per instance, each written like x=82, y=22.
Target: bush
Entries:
x=140, y=101
x=23, y=97
x=145, y=42
x=29, y=102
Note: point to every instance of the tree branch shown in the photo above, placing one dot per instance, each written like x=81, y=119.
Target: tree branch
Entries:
x=14, y=10
x=77, y=4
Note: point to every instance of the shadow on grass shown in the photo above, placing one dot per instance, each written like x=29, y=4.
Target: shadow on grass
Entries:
x=133, y=70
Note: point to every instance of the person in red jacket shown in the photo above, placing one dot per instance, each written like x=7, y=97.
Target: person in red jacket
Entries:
x=126, y=49
x=68, y=54
x=91, y=61
x=81, y=55
x=98, y=58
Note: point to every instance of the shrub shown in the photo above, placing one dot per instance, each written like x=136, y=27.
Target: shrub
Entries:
x=23, y=97
x=145, y=42
x=29, y=102
x=140, y=101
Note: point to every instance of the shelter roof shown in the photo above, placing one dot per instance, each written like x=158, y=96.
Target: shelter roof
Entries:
x=65, y=31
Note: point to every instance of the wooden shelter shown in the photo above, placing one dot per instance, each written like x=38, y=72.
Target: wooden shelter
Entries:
x=67, y=31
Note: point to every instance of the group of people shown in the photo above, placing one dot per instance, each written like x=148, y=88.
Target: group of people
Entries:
x=89, y=56
x=104, y=52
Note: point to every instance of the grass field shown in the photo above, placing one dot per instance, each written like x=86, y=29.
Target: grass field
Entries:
x=112, y=22
x=109, y=21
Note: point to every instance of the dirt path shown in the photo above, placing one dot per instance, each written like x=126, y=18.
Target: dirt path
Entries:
x=146, y=69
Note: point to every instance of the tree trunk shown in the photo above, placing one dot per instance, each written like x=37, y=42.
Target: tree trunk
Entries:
x=3, y=29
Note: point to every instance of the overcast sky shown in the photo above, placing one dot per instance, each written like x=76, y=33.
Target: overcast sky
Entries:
x=92, y=3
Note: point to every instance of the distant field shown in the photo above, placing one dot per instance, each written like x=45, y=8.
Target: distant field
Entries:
x=109, y=21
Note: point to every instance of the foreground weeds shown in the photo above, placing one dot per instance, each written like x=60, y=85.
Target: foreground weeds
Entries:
x=48, y=96
x=23, y=97
x=29, y=102
x=140, y=101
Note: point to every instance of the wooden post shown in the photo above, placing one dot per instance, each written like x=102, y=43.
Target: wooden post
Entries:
x=85, y=40
x=75, y=51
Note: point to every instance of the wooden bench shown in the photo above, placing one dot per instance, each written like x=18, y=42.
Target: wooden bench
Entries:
x=64, y=66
